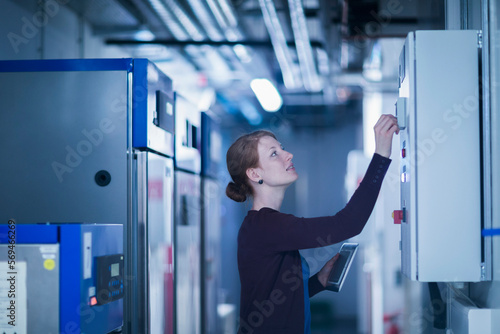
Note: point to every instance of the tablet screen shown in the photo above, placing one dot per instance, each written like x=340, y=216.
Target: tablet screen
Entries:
x=341, y=266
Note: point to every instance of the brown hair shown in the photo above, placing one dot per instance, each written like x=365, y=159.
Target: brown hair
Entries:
x=240, y=156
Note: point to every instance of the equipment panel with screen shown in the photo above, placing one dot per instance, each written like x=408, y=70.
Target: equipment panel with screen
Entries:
x=109, y=271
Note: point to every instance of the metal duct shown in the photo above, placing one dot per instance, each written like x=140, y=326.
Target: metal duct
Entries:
x=279, y=44
x=310, y=76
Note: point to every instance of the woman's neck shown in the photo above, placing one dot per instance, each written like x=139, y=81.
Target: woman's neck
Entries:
x=271, y=200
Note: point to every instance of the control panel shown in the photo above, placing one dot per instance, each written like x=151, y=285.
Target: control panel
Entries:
x=109, y=277
x=438, y=114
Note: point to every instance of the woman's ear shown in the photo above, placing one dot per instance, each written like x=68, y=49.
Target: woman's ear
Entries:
x=253, y=175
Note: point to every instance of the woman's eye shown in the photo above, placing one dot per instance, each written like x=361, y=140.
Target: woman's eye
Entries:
x=274, y=154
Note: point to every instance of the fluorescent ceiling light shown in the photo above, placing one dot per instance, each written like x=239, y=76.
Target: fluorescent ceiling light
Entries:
x=242, y=53
x=268, y=96
x=144, y=35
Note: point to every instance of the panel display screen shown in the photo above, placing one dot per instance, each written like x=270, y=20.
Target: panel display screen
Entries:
x=341, y=267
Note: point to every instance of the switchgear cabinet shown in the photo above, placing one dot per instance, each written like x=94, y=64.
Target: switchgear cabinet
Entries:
x=92, y=140
x=438, y=114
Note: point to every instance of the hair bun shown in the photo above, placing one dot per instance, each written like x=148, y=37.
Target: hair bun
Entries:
x=236, y=192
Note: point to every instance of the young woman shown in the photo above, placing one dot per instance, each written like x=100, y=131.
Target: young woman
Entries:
x=275, y=282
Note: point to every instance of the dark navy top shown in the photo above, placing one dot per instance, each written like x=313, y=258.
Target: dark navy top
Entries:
x=273, y=278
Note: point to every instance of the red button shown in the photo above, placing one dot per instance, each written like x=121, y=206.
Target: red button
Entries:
x=403, y=152
x=398, y=216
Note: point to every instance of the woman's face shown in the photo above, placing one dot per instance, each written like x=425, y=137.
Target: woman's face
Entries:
x=275, y=164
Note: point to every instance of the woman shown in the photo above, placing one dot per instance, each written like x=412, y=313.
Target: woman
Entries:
x=275, y=282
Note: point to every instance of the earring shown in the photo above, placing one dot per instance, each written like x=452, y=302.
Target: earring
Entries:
x=261, y=181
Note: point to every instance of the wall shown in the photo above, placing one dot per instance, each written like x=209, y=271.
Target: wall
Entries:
x=29, y=32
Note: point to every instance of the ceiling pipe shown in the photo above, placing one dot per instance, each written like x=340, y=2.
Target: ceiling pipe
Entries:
x=278, y=40
x=168, y=20
x=228, y=13
x=206, y=20
x=312, y=81
x=227, y=22
x=226, y=19
x=204, y=57
x=192, y=29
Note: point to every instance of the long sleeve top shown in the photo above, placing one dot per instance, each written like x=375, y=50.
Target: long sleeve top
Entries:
x=269, y=263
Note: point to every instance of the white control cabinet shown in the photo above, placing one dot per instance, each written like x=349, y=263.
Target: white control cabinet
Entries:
x=438, y=112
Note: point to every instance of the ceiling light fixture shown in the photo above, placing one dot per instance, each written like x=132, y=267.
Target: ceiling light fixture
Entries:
x=144, y=35
x=268, y=96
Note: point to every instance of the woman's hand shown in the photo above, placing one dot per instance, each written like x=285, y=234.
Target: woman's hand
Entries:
x=385, y=128
x=325, y=271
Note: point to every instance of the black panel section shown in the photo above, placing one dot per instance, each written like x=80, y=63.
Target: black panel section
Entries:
x=109, y=278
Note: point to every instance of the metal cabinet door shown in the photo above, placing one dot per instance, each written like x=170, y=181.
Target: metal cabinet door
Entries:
x=150, y=307
x=160, y=236
x=187, y=252
x=211, y=240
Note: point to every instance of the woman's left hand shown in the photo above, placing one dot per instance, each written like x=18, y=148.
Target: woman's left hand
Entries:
x=327, y=268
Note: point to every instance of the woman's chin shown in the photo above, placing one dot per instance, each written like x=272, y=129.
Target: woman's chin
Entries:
x=296, y=177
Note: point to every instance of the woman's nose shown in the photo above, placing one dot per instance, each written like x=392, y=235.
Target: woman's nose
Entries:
x=289, y=156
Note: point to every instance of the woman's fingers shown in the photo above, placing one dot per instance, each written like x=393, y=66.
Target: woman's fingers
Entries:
x=384, y=129
x=385, y=123
x=327, y=268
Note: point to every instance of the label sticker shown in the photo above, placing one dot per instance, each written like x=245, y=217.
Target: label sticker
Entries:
x=49, y=264
x=87, y=255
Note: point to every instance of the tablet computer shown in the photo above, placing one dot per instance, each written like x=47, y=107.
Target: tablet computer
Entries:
x=341, y=267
